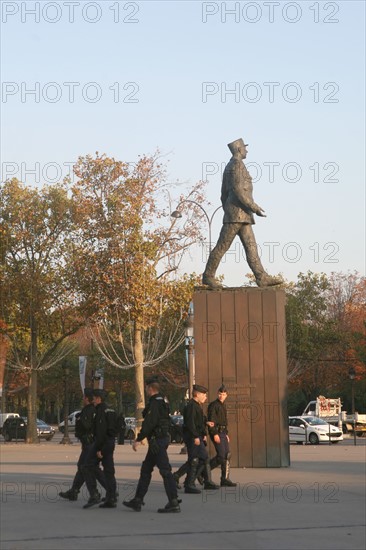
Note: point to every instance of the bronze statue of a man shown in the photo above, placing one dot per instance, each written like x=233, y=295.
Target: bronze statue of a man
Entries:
x=239, y=207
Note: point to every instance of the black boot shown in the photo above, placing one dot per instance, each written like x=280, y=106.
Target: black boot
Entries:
x=208, y=484
x=71, y=494
x=135, y=504
x=201, y=474
x=180, y=472
x=108, y=504
x=176, y=479
x=225, y=470
x=115, y=498
x=171, y=507
x=190, y=487
x=93, y=500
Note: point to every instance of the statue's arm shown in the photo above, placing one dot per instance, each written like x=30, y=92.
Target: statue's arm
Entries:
x=242, y=189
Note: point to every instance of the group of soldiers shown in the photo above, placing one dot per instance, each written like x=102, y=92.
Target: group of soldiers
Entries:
x=97, y=427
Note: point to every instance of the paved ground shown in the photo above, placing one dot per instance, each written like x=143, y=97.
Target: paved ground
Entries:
x=316, y=503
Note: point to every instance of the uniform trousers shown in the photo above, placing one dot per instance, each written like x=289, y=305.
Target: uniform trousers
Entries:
x=222, y=448
x=79, y=476
x=157, y=456
x=91, y=467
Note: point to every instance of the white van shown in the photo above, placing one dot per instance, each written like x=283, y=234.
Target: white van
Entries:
x=3, y=417
x=70, y=423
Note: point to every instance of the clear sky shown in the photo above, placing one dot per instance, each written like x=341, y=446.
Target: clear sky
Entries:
x=125, y=78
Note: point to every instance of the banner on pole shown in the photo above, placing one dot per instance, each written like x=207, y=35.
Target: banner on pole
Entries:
x=82, y=371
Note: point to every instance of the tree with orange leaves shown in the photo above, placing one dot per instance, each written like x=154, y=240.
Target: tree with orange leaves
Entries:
x=37, y=303
x=126, y=249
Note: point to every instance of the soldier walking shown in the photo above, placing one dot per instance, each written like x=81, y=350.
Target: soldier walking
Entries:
x=194, y=435
x=219, y=434
x=102, y=449
x=155, y=427
x=84, y=427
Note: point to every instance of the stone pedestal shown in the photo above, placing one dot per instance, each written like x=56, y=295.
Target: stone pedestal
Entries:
x=240, y=340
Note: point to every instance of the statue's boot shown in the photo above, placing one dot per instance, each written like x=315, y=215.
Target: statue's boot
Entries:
x=268, y=280
x=227, y=234
x=211, y=282
x=263, y=279
x=208, y=277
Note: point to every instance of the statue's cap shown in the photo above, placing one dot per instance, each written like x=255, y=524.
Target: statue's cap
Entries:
x=237, y=144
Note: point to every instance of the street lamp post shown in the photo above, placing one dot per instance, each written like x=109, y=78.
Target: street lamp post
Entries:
x=189, y=333
x=178, y=214
x=352, y=374
x=190, y=349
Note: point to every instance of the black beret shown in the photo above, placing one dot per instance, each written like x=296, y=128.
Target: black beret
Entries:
x=88, y=392
x=199, y=388
x=222, y=389
x=151, y=380
x=100, y=393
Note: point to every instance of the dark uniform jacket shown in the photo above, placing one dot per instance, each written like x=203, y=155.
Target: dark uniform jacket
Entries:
x=194, y=422
x=156, y=418
x=217, y=413
x=105, y=425
x=84, y=425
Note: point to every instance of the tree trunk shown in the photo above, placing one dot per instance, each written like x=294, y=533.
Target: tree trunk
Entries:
x=32, y=436
x=139, y=376
x=4, y=397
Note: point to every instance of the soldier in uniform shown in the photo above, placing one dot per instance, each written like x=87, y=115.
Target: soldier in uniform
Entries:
x=155, y=427
x=239, y=208
x=84, y=432
x=217, y=415
x=194, y=435
x=102, y=449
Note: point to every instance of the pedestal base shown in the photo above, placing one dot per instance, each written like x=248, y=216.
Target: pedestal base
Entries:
x=240, y=340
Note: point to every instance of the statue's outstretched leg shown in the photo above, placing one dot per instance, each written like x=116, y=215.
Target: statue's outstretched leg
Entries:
x=227, y=234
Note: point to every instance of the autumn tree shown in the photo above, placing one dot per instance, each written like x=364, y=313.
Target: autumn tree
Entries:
x=127, y=249
x=37, y=302
x=324, y=316
x=347, y=308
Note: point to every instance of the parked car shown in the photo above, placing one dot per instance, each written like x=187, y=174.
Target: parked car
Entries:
x=44, y=430
x=70, y=423
x=16, y=428
x=176, y=428
x=314, y=430
x=130, y=432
